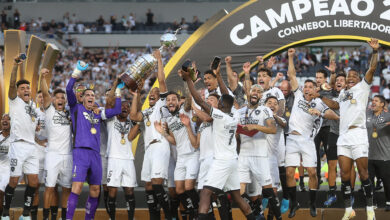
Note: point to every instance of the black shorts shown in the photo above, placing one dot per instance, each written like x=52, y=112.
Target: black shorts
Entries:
x=331, y=149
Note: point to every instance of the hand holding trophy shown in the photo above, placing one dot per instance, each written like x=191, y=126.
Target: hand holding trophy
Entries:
x=145, y=64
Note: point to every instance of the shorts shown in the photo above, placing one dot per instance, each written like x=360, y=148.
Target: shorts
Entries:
x=4, y=175
x=204, y=170
x=281, y=152
x=258, y=167
x=298, y=146
x=223, y=175
x=187, y=167
x=353, y=151
x=331, y=149
x=156, y=161
x=58, y=168
x=171, y=172
x=253, y=188
x=274, y=169
x=23, y=158
x=104, y=168
x=121, y=173
x=87, y=166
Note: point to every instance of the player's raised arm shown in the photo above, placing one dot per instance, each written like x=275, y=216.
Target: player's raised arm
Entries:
x=186, y=76
x=230, y=76
x=221, y=83
x=110, y=101
x=72, y=100
x=292, y=74
x=135, y=114
x=44, y=88
x=247, y=71
x=374, y=43
x=160, y=71
x=134, y=131
x=12, y=90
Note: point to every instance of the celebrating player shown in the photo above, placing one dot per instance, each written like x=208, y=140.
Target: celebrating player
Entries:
x=4, y=161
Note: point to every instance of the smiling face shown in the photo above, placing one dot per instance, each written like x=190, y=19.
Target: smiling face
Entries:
x=212, y=101
x=24, y=92
x=352, y=78
x=125, y=109
x=263, y=79
x=172, y=103
x=5, y=123
x=255, y=95
x=59, y=101
x=154, y=96
x=79, y=93
x=340, y=83
x=273, y=104
x=40, y=99
x=377, y=105
x=210, y=82
x=320, y=78
x=89, y=99
x=309, y=90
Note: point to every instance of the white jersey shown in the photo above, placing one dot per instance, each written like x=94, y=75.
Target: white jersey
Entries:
x=273, y=91
x=103, y=135
x=256, y=145
x=301, y=120
x=274, y=139
x=179, y=131
x=59, y=131
x=23, y=120
x=152, y=114
x=224, y=131
x=42, y=133
x=206, y=142
x=4, y=147
x=353, y=106
x=117, y=131
x=218, y=91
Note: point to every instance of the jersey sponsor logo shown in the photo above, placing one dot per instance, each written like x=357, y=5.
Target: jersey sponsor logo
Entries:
x=122, y=129
x=61, y=118
x=304, y=106
x=90, y=118
x=247, y=121
x=217, y=116
x=346, y=96
x=175, y=126
x=204, y=126
x=31, y=111
x=4, y=149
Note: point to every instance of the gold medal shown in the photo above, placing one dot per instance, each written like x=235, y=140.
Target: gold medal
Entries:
x=123, y=141
x=93, y=130
x=374, y=134
x=148, y=123
x=353, y=101
x=194, y=118
x=288, y=114
x=32, y=118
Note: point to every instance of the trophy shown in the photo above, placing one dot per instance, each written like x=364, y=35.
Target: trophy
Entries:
x=145, y=64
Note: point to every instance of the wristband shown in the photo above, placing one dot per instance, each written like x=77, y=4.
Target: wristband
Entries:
x=118, y=92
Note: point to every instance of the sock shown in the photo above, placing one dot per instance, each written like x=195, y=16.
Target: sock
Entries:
x=193, y=194
x=250, y=217
x=283, y=181
x=367, y=189
x=293, y=194
x=162, y=198
x=332, y=190
x=111, y=207
x=257, y=207
x=46, y=213
x=174, y=206
x=346, y=190
x=224, y=210
x=105, y=198
x=54, y=212
x=313, y=195
x=186, y=201
x=203, y=216
x=301, y=180
x=1, y=212
x=273, y=201
x=90, y=208
x=34, y=212
x=8, y=195
x=211, y=210
x=151, y=201
x=28, y=199
x=63, y=213
x=130, y=204
x=71, y=206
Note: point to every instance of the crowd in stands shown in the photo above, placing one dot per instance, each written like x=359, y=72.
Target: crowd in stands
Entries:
x=114, y=24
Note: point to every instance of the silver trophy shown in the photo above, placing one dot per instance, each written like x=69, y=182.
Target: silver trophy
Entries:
x=145, y=64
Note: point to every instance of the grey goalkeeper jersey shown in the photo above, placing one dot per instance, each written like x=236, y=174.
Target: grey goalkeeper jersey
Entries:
x=379, y=146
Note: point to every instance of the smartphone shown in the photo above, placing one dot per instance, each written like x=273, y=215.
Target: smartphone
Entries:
x=186, y=64
x=215, y=62
x=22, y=56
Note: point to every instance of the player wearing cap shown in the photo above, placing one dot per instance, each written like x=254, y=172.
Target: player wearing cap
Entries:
x=352, y=144
x=305, y=121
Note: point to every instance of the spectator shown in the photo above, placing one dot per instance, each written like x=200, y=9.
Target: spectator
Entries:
x=113, y=22
x=131, y=21
x=386, y=93
x=40, y=23
x=4, y=18
x=23, y=26
x=386, y=73
x=108, y=27
x=149, y=18
x=34, y=26
x=195, y=23
x=100, y=22
x=16, y=19
x=80, y=27
x=66, y=19
x=125, y=23
x=73, y=19
x=183, y=25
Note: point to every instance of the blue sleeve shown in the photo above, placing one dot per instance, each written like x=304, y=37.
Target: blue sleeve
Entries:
x=72, y=101
x=111, y=112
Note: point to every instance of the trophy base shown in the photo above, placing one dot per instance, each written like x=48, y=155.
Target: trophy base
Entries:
x=129, y=82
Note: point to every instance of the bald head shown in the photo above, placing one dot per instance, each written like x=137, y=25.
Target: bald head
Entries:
x=285, y=87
